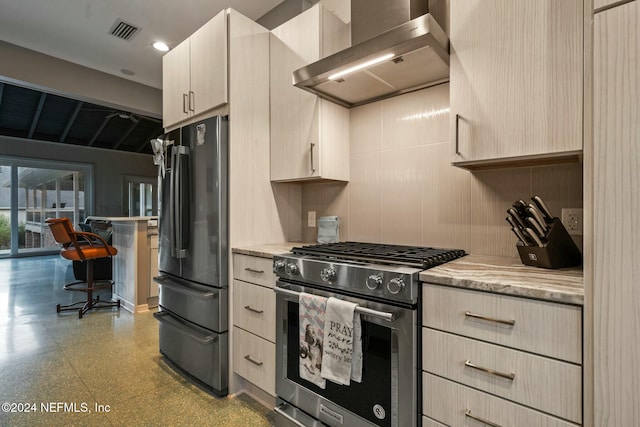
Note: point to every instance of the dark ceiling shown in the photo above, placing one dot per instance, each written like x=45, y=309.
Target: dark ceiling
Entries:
x=31, y=114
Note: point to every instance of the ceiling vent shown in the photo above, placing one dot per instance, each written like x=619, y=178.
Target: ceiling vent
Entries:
x=124, y=31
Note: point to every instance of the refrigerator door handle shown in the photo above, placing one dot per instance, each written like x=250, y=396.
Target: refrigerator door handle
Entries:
x=182, y=202
x=172, y=202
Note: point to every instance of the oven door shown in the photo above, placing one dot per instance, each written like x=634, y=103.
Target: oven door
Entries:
x=388, y=394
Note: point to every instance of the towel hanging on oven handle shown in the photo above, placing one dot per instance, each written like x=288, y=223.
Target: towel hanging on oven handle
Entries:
x=389, y=317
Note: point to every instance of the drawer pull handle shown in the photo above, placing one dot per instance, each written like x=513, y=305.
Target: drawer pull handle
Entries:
x=255, y=362
x=253, y=270
x=468, y=413
x=248, y=307
x=489, y=371
x=490, y=319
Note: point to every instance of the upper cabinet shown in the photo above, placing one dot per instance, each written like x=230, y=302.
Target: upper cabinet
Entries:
x=194, y=73
x=309, y=135
x=516, y=80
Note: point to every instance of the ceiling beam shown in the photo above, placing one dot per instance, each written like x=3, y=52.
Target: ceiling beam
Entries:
x=104, y=123
x=36, y=116
x=72, y=119
x=126, y=134
x=147, y=140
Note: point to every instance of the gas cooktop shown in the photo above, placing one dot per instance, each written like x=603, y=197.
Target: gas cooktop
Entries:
x=369, y=270
x=378, y=253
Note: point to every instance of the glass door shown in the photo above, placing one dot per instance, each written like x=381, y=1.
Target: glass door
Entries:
x=32, y=191
x=6, y=215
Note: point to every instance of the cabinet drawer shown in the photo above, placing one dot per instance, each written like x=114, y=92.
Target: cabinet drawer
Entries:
x=541, y=327
x=455, y=405
x=254, y=309
x=546, y=384
x=255, y=359
x=254, y=269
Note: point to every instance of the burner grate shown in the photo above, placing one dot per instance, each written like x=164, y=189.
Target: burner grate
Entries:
x=412, y=256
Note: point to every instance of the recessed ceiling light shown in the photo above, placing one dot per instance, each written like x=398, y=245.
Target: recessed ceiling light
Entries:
x=127, y=72
x=161, y=46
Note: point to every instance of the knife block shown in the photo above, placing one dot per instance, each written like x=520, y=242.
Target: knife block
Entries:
x=559, y=251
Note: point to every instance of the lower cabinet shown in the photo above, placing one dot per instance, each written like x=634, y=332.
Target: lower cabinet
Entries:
x=498, y=360
x=254, y=321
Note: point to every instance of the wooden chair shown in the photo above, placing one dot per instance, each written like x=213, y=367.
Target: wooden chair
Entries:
x=86, y=247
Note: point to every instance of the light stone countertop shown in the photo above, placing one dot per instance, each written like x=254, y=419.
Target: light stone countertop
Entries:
x=267, y=250
x=509, y=276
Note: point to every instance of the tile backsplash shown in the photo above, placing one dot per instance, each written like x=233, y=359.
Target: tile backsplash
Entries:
x=404, y=190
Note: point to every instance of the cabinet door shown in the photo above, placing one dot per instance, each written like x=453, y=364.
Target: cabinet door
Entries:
x=175, y=85
x=294, y=112
x=209, y=65
x=516, y=78
x=616, y=224
x=306, y=131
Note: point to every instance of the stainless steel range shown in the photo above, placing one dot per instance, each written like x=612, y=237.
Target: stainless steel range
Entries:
x=383, y=281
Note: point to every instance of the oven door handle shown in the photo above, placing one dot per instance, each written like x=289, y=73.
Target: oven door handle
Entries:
x=389, y=317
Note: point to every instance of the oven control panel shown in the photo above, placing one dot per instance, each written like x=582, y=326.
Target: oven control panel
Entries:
x=389, y=282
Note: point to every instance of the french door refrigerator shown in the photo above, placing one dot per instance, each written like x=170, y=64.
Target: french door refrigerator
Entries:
x=193, y=251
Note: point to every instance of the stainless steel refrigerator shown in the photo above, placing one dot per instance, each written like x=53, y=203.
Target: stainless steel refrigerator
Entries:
x=193, y=251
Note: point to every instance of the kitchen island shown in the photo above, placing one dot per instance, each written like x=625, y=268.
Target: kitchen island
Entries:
x=135, y=265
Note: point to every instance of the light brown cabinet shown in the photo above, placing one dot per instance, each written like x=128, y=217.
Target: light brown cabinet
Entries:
x=516, y=80
x=309, y=135
x=615, y=245
x=503, y=359
x=194, y=73
x=254, y=321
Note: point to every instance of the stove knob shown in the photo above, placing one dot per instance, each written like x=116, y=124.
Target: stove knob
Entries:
x=328, y=274
x=278, y=266
x=395, y=286
x=291, y=269
x=374, y=281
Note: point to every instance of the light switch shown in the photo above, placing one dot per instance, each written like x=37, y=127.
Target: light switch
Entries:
x=311, y=219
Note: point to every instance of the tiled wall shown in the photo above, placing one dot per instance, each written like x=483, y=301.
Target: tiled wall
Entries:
x=404, y=190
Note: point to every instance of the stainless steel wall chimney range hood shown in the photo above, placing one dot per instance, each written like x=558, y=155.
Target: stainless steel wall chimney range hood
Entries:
x=397, y=47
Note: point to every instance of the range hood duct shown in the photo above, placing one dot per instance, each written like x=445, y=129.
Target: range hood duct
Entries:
x=397, y=47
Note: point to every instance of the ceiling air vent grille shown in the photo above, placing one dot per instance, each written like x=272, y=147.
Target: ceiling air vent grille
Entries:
x=122, y=30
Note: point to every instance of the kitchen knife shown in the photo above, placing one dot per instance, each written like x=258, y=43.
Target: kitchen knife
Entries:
x=521, y=206
x=534, y=212
x=537, y=227
x=516, y=216
x=521, y=239
x=512, y=221
x=533, y=236
x=542, y=206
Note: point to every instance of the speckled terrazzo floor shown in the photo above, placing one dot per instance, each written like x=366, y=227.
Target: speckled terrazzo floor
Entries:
x=107, y=358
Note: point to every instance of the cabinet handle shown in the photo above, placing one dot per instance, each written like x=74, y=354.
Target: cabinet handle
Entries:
x=255, y=362
x=490, y=319
x=457, y=121
x=489, y=371
x=253, y=310
x=185, y=103
x=192, y=101
x=254, y=270
x=313, y=169
x=467, y=413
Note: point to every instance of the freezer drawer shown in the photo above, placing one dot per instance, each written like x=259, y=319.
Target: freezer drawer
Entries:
x=201, y=353
x=203, y=305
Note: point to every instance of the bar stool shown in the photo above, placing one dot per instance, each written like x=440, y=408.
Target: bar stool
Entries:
x=86, y=247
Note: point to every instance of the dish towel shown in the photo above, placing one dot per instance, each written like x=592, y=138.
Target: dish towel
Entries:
x=340, y=342
x=311, y=312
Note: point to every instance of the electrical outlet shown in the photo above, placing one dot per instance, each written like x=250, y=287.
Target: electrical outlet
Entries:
x=572, y=221
x=311, y=219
